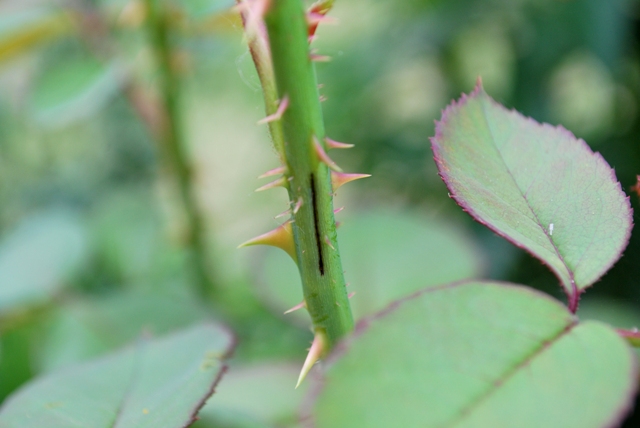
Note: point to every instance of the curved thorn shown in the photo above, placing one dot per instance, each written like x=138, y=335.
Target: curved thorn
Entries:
x=274, y=171
x=281, y=237
x=323, y=156
x=280, y=182
x=337, y=210
x=282, y=107
x=333, y=144
x=300, y=305
x=317, y=349
x=283, y=213
x=320, y=58
x=339, y=179
x=350, y=295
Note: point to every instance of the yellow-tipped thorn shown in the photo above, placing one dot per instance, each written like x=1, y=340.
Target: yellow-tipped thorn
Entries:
x=316, y=351
x=282, y=107
x=350, y=295
x=300, y=305
x=337, y=210
x=281, y=237
x=280, y=182
x=333, y=144
x=274, y=171
x=324, y=157
x=338, y=179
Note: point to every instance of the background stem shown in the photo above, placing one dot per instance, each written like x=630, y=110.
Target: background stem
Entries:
x=173, y=145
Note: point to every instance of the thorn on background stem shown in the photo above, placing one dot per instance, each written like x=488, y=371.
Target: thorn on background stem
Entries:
x=282, y=107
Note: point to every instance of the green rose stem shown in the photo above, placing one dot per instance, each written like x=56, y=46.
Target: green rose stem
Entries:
x=172, y=143
x=308, y=174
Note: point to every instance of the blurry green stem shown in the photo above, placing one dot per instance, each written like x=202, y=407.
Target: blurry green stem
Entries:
x=173, y=146
x=257, y=41
x=308, y=178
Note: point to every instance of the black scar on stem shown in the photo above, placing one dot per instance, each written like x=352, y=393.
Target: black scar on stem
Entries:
x=316, y=224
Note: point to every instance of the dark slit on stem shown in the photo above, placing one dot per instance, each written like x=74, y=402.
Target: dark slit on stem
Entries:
x=316, y=223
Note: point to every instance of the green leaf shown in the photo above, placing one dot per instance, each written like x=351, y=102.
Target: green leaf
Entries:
x=263, y=392
x=74, y=89
x=537, y=186
x=477, y=354
x=156, y=383
x=82, y=329
x=38, y=257
x=386, y=256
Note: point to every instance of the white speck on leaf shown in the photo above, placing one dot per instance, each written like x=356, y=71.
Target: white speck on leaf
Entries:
x=551, y=229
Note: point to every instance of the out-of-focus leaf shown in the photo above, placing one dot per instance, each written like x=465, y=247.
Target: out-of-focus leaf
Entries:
x=15, y=365
x=131, y=240
x=156, y=383
x=38, y=257
x=536, y=185
x=21, y=31
x=477, y=354
x=263, y=392
x=86, y=328
x=74, y=89
x=225, y=418
x=385, y=256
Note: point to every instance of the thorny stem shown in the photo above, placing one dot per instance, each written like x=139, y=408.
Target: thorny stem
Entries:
x=173, y=147
x=308, y=179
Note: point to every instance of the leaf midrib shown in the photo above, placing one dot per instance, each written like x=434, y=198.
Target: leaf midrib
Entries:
x=546, y=345
x=572, y=284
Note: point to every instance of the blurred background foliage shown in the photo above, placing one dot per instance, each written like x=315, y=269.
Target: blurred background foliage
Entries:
x=95, y=245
